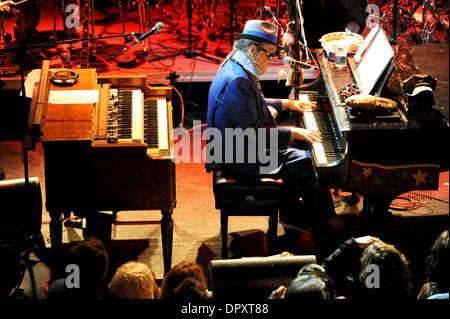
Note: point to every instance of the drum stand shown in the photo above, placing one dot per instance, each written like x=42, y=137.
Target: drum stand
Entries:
x=396, y=17
x=427, y=27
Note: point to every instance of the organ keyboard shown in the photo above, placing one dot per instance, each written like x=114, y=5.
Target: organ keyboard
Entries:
x=130, y=120
x=106, y=147
x=135, y=120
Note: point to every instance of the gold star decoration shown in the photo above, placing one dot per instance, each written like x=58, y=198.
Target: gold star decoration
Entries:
x=367, y=171
x=420, y=177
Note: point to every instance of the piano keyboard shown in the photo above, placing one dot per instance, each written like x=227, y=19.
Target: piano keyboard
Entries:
x=131, y=119
x=333, y=146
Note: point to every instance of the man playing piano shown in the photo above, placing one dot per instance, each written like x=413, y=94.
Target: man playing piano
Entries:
x=236, y=101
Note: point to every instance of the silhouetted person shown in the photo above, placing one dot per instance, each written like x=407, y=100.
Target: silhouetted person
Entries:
x=437, y=285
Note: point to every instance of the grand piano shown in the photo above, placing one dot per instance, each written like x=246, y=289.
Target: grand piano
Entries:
x=106, y=147
x=377, y=156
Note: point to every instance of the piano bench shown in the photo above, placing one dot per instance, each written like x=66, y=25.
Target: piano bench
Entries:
x=247, y=196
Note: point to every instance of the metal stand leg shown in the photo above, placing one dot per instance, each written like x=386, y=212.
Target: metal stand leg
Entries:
x=93, y=26
x=232, y=24
x=55, y=228
x=224, y=233
x=167, y=238
x=55, y=12
x=428, y=6
x=141, y=13
x=272, y=233
x=375, y=214
x=401, y=19
x=122, y=21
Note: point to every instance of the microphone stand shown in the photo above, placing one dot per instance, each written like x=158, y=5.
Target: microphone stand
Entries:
x=142, y=19
x=395, y=22
x=190, y=52
x=302, y=32
x=21, y=57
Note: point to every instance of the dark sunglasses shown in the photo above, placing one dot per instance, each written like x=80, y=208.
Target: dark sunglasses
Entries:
x=269, y=55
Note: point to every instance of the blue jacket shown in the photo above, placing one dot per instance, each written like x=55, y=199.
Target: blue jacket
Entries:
x=236, y=102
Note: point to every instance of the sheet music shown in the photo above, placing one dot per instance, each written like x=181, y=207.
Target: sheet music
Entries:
x=73, y=96
x=374, y=62
x=366, y=43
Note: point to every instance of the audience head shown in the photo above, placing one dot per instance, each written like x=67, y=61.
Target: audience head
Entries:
x=91, y=257
x=189, y=289
x=394, y=279
x=175, y=279
x=133, y=280
x=437, y=263
x=312, y=282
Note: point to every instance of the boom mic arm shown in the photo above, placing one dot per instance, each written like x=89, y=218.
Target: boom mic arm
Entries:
x=291, y=62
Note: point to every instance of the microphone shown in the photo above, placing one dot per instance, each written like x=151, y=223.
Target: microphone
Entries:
x=291, y=62
x=158, y=27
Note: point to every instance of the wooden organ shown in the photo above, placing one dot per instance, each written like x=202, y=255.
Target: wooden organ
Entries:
x=107, y=147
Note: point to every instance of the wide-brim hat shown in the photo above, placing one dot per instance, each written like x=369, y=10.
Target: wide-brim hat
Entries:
x=260, y=30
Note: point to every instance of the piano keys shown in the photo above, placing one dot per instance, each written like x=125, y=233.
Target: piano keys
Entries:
x=107, y=154
x=330, y=156
x=333, y=146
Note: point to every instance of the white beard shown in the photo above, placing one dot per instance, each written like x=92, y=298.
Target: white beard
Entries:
x=242, y=58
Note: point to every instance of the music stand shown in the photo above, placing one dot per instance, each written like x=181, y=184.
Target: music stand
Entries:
x=375, y=65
